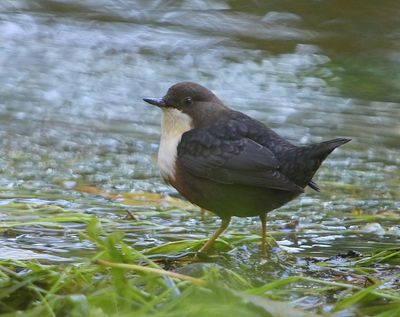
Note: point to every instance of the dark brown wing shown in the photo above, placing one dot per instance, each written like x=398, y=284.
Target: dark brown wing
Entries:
x=230, y=158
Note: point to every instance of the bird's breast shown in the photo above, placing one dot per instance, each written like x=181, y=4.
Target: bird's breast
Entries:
x=167, y=154
x=173, y=124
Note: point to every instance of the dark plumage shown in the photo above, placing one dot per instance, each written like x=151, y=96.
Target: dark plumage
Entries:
x=226, y=162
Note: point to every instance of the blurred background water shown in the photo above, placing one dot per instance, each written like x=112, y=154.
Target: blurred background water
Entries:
x=73, y=74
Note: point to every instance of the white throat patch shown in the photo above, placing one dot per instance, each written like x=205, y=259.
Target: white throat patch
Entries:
x=174, y=123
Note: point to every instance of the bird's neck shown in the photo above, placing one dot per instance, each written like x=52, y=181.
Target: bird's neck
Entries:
x=174, y=123
x=210, y=113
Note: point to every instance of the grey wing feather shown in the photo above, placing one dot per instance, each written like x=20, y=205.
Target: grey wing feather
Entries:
x=240, y=161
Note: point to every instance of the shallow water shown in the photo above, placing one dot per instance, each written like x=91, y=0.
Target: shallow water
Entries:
x=73, y=74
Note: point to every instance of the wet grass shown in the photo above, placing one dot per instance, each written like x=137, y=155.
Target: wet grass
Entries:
x=113, y=275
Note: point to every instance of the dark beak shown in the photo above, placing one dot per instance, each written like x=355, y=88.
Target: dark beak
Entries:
x=159, y=102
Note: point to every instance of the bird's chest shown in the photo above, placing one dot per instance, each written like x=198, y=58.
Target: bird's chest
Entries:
x=173, y=124
x=167, y=155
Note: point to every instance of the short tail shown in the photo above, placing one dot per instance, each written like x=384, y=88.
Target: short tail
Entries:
x=323, y=149
x=320, y=151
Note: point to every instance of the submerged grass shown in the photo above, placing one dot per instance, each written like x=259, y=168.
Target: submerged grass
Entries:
x=122, y=281
x=166, y=280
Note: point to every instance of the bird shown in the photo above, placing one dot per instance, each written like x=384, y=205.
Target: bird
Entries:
x=224, y=161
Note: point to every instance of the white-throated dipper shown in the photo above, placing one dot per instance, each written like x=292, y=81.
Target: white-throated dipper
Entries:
x=228, y=163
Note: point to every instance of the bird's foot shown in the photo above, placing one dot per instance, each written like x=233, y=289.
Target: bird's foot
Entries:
x=130, y=216
x=181, y=257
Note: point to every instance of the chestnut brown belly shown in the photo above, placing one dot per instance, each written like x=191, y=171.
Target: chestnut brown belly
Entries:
x=228, y=200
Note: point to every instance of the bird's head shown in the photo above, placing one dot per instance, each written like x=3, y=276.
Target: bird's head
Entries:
x=190, y=102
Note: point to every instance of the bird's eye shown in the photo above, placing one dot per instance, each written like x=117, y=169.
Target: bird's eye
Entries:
x=187, y=101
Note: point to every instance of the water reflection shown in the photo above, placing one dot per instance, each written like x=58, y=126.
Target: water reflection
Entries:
x=73, y=75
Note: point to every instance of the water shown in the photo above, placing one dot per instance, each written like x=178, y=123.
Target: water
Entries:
x=73, y=74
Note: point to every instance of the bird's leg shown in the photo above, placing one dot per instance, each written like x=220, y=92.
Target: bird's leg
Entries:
x=263, y=219
x=202, y=213
x=224, y=224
